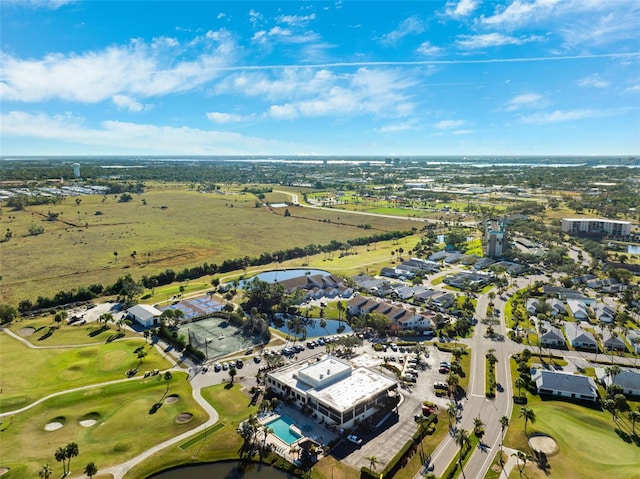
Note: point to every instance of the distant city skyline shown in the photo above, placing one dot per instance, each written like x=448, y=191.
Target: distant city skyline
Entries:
x=406, y=78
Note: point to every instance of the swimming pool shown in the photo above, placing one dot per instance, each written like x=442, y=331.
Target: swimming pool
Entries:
x=282, y=428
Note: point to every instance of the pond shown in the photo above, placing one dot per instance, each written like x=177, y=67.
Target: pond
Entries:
x=282, y=274
x=315, y=331
x=633, y=249
x=226, y=470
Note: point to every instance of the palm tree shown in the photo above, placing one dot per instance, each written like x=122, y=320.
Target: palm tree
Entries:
x=529, y=416
x=634, y=416
x=71, y=450
x=520, y=456
x=520, y=383
x=462, y=440
x=452, y=411
x=478, y=426
x=61, y=456
x=46, y=471
x=453, y=380
x=91, y=469
x=373, y=460
x=504, y=423
x=232, y=374
x=612, y=372
x=167, y=377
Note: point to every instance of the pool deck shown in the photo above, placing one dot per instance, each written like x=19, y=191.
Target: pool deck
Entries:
x=318, y=432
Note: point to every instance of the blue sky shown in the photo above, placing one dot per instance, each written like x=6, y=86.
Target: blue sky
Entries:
x=522, y=77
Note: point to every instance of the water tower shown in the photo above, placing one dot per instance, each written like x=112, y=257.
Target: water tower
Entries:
x=76, y=170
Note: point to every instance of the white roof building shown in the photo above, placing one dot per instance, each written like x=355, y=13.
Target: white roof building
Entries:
x=144, y=314
x=332, y=389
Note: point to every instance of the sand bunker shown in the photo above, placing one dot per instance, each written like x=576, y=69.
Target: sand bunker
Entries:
x=26, y=331
x=88, y=422
x=184, y=417
x=53, y=426
x=543, y=443
x=172, y=399
x=3, y=470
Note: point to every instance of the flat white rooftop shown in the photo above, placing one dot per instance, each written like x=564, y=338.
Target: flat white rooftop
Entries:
x=325, y=371
x=362, y=384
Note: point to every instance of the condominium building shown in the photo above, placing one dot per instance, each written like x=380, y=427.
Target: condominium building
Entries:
x=595, y=226
x=495, y=239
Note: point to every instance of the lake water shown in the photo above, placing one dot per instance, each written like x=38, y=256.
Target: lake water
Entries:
x=633, y=249
x=315, y=331
x=282, y=274
x=226, y=470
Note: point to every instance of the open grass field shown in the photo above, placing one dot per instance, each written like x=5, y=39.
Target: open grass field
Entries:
x=588, y=445
x=225, y=443
x=124, y=425
x=166, y=228
x=29, y=374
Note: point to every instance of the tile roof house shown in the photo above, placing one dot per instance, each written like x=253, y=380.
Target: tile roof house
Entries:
x=604, y=312
x=633, y=336
x=578, y=309
x=552, y=336
x=612, y=342
x=627, y=379
x=579, y=338
x=560, y=384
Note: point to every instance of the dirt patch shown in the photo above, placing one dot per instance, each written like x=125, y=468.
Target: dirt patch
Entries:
x=3, y=470
x=53, y=426
x=184, y=417
x=24, y=332
x=174, y=398
x=88, y=422
x=543, y=443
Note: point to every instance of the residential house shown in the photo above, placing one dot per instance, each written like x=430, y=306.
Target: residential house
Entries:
x=612, y=341
x=556, y=307
x=550, y=336
x=604, y=312
x=560, y=384
x=579, y=338
x=628, y=379
x=578, y=309
x=566, y=293
x=533, y=306
x=633, y=336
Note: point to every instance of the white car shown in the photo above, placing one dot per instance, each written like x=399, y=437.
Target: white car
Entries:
x=355, y=439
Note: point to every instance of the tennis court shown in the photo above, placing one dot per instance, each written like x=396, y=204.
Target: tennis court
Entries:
x=215, y=337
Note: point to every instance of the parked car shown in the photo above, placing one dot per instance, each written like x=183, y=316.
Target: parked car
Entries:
x=443, y=369
x=225, y=366
x=257, y=359
x=440, y=386
x=355, y=439
x=217, y=367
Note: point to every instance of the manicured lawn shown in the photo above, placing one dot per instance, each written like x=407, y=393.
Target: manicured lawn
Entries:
x=90, y=333
x=29, y=374
x=233, y=407
x=125, y=425
x=588, y=443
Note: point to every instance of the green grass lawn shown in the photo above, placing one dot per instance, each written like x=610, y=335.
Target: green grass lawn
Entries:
x=233, y=407
x=588, y=443
x=125, y=425
x=28, y=374
x=90, y=333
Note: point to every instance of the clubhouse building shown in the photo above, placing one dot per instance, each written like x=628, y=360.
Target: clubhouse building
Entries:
x=334, y=392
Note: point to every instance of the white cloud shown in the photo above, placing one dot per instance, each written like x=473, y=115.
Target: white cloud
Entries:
x=520, y=12
x=310, y=93
x=491, y=40
x=137, y=69
x=151, y=139
x=395, y=127
x=559, y=116
x=221, y=15
x=462, y=132
x=633, y=89
x=426, y=48
x=594, y=81
x=220, y=117
x=409, y=26
x=296, y=20
x=124, y=102
x=524, y=100
x=449, y=124
x=48, y=4
x=461, y=8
